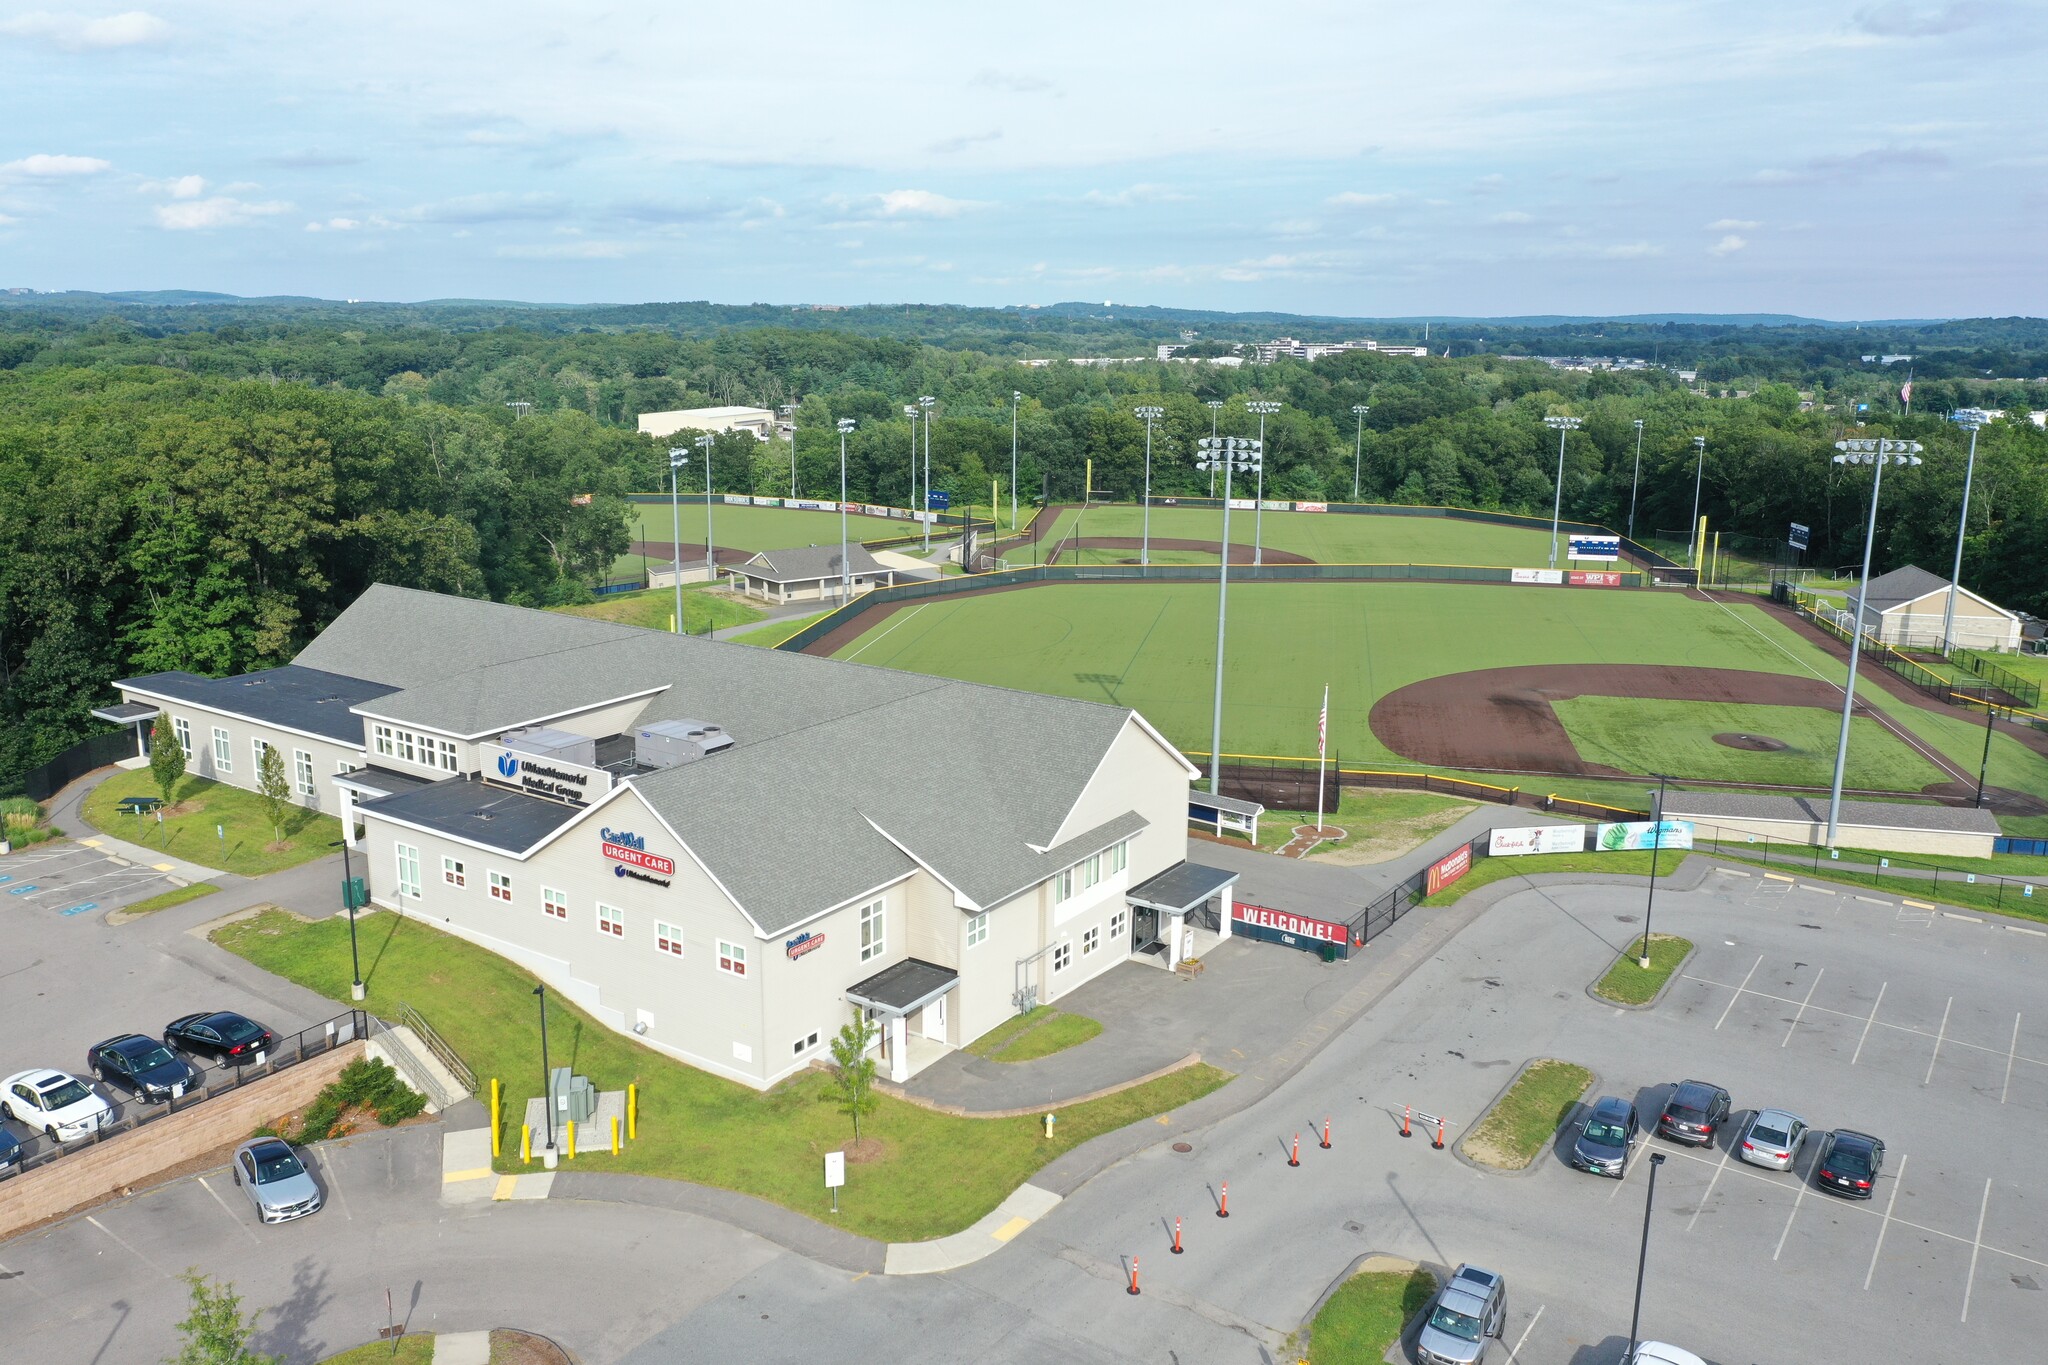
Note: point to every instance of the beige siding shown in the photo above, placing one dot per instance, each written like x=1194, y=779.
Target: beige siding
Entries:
x=1138, y=774
x=241, y=772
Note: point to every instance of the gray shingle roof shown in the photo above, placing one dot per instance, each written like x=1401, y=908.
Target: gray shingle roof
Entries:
x=959, y=774
x=296, y=697
x=1705, y=807
x=1899, y=587
x=810, y=563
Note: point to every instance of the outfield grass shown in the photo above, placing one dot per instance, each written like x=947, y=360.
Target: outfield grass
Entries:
x=1364, y=1318
x=1327, y=538
x=775, y=632
x=757, y=528
x=1677, y=737
x=1628, y=983
x=1523, y=1121
x=704, y=609
x=189, y=825
x=693, y=1125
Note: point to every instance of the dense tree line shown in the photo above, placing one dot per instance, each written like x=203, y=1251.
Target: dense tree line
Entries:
x=183, y=496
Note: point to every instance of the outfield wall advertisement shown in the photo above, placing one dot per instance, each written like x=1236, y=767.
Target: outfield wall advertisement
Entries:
x=1634, y=836
x=1592, y=578
x=1512, y=843
x=1536, y=575
x=1243, y=505
x=1311, y=507
x=1447, y=869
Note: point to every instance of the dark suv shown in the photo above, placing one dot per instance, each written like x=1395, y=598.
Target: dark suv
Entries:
x=1848, y=1164
x=1693, y=1112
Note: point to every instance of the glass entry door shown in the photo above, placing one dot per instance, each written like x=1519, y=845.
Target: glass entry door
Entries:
x=1145, y=931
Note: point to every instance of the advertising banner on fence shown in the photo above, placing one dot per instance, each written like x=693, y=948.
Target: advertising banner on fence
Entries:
x=1593, y=578
x=1511, y=843
x=1321, y=930
x=1595, y=547
x=1276, y=504
x=1242, y=505
x=767, y=502
x=1634, y=836
x=1311, y=507
x=1447, y=869
x=872, y=509
x=1536, y=575
x=737, y=500
x=808, y=505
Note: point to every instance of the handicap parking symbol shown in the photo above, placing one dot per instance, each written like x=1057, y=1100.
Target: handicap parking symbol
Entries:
x=80, y=909
x=21, y=890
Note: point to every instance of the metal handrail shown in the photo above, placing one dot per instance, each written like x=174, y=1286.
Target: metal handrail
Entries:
x=438, y=1045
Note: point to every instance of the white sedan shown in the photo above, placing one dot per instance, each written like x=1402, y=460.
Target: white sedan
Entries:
x=57, y=1103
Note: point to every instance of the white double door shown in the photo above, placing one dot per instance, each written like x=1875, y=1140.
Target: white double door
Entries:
x=935, y=1020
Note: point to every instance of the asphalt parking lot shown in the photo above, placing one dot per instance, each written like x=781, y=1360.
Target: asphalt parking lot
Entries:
x=70, y=879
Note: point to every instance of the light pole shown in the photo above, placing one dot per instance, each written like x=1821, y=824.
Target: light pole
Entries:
x=1656, y=844
x=910, y=411
x=1150, y=415
x=1262, y=407
x=1878, y=453
x=547, y=1101
x=1358, y=410
x=348, y=899
x=1692, y=528
x=1016, y=397
x=789, y=410
x=1948, y=619
x=705, y=444
x=1635, y=480
x=1215, y=406
x=1560, y=425
x=1230, y=454
x=678, y=456
x=1635, y=1320
x=845, y=570
x=926, y=404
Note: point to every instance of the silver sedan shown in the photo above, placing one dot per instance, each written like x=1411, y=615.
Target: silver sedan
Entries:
x=1772, y=1139
x=275, y=1180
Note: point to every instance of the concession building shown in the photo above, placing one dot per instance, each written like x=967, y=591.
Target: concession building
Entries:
x=719, y=848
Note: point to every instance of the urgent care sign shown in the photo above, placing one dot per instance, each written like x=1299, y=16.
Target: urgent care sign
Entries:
x=1282, y=922
x=631, y=849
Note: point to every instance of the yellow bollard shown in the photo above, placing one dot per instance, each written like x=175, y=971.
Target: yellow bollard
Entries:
x=633, y=1111
x=525, y=1145
x=615, y=1134
x=497, y=1135
x=572, y=1139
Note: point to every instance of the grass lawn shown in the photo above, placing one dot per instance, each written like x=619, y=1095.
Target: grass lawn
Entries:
x=1378, y=825
x=1525, y=1119
x=1629, y=984
x=775, y=632
x=164, y=900
x=1327, y=538
x=1036, y=1033
x=695, y=1126
x=414, y=1348
x=755, y=528
x=1637, y=735
x=1365, y=1316
x=2006, y=898
x=703, y=609
x=1486, y=871
x=188, y=825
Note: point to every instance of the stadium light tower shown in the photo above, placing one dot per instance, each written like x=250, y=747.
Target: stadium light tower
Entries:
x=1150, y=415
x=1215, y=406
x=1262, y=407
x=1016, y=397
x=1560, y=425
x=1230, y=454
x=1692, y=530
x=1878, y=452
x=1358, y=410
x=678, y=456
x=1635, y=480
x=845, y=571
x=788, y=410
x=1948, y=618
x=926, y=404
x=705, y=444
x=910, y=411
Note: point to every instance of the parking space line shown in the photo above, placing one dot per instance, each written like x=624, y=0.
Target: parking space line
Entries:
x=1976, y=1245
x=2022, y=929
x=1817, y=890
x=334, y=1181
x=1937, y=1041
x=1803, y=1004
x=1885, y=1226
x=2010, y=1053
x=122, y=1243
x=1868, y=1022
x=1515, y=1351
x=1701, y=1206
x=1738, y=991
x=228, y=1211
x=1796, y=1200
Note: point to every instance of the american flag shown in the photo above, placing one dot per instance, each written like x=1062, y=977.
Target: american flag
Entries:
x=1323, y=724
x=1906, y=392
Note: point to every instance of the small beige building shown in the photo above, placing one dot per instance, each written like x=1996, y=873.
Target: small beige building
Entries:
x=759, y=421
x=1910, y=606
x=1890, y=827
x=811, y=573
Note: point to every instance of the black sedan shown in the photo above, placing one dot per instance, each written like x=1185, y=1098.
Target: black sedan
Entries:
x=1694, y=1111
x=142, y=1066
x=1848, y=1164
x=225, y=1036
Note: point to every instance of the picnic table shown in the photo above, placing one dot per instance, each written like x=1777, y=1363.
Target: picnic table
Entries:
x=139, y=805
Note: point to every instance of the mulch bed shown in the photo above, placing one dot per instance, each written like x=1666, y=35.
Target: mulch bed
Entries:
x=509, y=1346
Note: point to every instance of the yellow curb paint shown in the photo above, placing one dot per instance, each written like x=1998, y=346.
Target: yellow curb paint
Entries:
x=1917, y=905
x=506, y=1184
x=1776, y=877
x=1010, y=1229
x=165, y=867
x=88, y=843
x=480, y=1173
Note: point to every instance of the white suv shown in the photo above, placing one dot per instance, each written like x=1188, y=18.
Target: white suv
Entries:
x=62, y=1106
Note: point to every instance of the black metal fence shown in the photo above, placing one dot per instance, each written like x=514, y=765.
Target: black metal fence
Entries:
x=2023, y=691
x=1384, y=913
x=37, y=1149
x=44, y=782
x=1288, y=783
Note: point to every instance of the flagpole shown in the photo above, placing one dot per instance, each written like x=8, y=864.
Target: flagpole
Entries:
x=1322, y=746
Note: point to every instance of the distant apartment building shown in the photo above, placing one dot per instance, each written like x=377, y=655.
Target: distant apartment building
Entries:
x=759, y=421
x=1270, y=351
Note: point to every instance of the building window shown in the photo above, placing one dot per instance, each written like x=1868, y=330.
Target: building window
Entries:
x=554, y=903
x=452, y=872
x=732, y=958
x=438, y=753
x=873, y=935
x=1062, y=956
x=1119, y=855
x=1063, y=887
x=381, y=734
x=405, y=749
x=408, y=870
x=804, y=1044
x=223, y=757
x=668, y=938
x=1090, y=941
x=977, y=929
x=342, y=767
x=501, y=887
x=1091, y=870
x=302, y=766
x=182, y=728
x=256, y=751
x=1117, y=923
x=611, y=920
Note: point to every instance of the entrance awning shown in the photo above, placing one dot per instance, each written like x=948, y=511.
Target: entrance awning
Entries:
x=1180, y=888
x=905, y=988
x=126, y=713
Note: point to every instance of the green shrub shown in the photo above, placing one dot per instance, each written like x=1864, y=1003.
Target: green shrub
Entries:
x=364, y=1084
x=12, y=806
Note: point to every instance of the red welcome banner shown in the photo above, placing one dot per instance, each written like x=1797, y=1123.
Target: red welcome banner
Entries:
x=1299, y=925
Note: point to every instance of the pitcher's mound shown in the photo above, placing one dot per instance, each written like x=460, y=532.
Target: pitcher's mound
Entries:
x=1762, y=744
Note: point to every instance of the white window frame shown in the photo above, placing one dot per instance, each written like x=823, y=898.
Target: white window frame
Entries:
x=874, y=916
x=1119, y=925
x=1091, y=939
x=611, y=920
x=806, y=1044
x=1063, y=887
x=454, y=871
x=668, y=938
x=1062, y=955
x=1119, y=855
x=732, y=958
x=302, y=771
x=405, y=746
x=223, y=751
x=500, y=885
x=438, y=753
x=554, y=904
x=1091, y=871
x=381, y=739
x=181, y=730
x=408, y=869
x=977, y=929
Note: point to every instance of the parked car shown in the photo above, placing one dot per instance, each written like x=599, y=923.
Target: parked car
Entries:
x=223, y=1035
x=140, y=1065
x=1606, y=1139
x=1848, y=1163
x=1772, y=1139
x=276, y=1181
x=1694, y=1111
x=1658, y=1353
x=1472, y=1306
x=10, y=1149
x=56, y=1102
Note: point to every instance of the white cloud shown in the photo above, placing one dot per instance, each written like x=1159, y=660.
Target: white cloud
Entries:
x=1909, y=21
x=1353, y=199
x=44, y=166
x=1728, y=245
x=222, y=210
x=569, y=251
x=135, y=28
x=6, y=219
x=921, y=204
x=1632, y=251
x=494, y=208
x=1145, y=193
x=1734, y=225
x=1513, y=217
x=178, y=187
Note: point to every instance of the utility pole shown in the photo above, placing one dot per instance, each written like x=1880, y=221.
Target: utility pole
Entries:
x=1262, y=407
x=705, y=443
x=1145, y=540
x=1358, y=410
x=678, y=456
x=789, y=411
x=1215, y=405
x=1635, y=480
x=845, y=569
x=1228, y=453
x=1016, y=397
x=1560, y=425
x=1955, y=575
x=926, y=404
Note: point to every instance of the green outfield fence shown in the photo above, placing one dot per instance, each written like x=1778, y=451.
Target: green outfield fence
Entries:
x=1163, y=573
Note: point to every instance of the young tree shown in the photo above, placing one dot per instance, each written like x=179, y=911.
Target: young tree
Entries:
x=215, y=1332
x=166, y=757
x=275, y=788
x=853, y=1069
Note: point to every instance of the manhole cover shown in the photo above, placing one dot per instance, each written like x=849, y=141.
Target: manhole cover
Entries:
x=1183, y=1147
x=1629, y=919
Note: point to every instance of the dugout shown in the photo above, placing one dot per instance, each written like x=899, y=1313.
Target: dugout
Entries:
x=1886, y=826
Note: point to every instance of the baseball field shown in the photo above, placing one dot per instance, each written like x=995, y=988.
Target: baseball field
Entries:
x=1189, y=535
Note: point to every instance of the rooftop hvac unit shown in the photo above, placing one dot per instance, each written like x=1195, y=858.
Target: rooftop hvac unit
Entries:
x=556, y=744
x=667, y=743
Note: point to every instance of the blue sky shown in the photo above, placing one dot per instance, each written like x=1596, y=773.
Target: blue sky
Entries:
x=1868, y=158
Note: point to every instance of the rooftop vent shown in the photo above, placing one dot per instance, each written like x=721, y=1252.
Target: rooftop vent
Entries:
x=666, y=743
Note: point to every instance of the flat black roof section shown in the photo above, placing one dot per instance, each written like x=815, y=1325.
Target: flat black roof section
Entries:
x=306, y=699
x=374, y=781
x=1180, y=888
x=904, y=987
x=509, y=821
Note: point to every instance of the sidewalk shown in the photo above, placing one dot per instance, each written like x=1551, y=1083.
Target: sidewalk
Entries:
x=67, y=814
